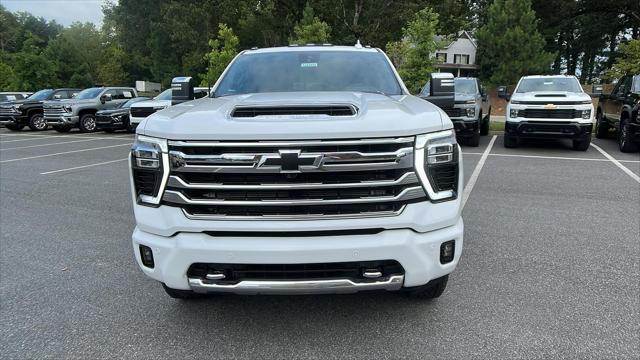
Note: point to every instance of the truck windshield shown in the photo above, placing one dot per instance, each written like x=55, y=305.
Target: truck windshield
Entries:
x=165, y=95
x=465, y=86
x=40, y=95
x=88, y=93
x=296, y=71
x=568, y=84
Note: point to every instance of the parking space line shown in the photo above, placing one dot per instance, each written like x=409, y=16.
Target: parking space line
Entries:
x=550, y=157
x=476, y=172
x=34, y=137
x=39, y=145
x=62, y=153
x=617, y=163
x=82, y=167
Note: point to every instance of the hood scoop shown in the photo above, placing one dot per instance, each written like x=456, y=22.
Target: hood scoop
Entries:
x=550, y=95
x=276, y=111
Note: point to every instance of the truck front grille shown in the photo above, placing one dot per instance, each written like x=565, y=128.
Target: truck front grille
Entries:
x=373, y=177
x=550, y=114
x=142, y=112
x=455, y=112
x=7, y=111
x=54, y=111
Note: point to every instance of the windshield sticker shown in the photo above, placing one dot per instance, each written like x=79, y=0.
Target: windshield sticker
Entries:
x=11, y=97
x=309, y=65
x=127, y=94
x=548, y=82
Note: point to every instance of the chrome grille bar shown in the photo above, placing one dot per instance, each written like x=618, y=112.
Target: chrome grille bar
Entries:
x=406, y=194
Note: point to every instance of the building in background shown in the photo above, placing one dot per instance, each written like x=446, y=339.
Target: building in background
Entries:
x=458, y=56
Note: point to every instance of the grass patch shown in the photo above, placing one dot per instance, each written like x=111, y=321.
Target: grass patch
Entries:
x=496, y=126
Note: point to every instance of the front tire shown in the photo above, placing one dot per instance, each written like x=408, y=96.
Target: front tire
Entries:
x=14, y=127
x=510, y=141
x=37, y=122
x=581, y=145
x=625, y=143
x=602, y=128
x=431, y=290
x=474, y=140
x=180, y=294
x=484, y=124
x=87, y=123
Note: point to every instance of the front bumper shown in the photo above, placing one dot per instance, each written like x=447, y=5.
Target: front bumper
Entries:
x=61, y=120
x=109, y=123
x=418, y=253
x=549, y=129
x=465, y=126
x=12, y=119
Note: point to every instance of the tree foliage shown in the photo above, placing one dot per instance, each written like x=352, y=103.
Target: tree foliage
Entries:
x=414, y=53
x=310, y=30
x=223, y=50
x=509, y=44
x=628, y=61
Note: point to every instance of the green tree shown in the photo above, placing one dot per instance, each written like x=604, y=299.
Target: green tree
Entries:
x=414, y=53
x=111, y=70
x=8, y=79
x=310, y=30
x=509, y=44
x=223, y=50
x=628, y=60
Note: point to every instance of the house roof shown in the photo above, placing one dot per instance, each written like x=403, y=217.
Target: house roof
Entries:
x=461, y=34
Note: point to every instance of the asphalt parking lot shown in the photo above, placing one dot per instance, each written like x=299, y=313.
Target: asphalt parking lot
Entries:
x=550, y=267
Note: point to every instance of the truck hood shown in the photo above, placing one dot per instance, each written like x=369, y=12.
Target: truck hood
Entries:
x=377, y=116
x=152, y=103
x=462, y=97
x=22, y=102
x=551, y=96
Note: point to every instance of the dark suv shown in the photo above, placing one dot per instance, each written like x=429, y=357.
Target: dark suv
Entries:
x=616, y=111
x=17, y=114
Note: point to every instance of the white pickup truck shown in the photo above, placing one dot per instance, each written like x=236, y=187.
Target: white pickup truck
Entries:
x=140, y=110
x=307, y=170
x=548, y=107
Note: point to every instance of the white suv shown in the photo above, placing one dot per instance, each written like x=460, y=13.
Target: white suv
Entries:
x=308, y=170
x=550, y=107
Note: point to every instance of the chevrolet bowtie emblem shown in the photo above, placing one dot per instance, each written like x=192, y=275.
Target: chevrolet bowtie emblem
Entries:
x=290, y=161
x=551, y=106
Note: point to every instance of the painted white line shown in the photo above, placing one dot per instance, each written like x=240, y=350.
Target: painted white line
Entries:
x=550, y=157
x=617, y=163
x=32, y=138
x=476, y=172
x=82, y=167
x=62, y=153
x=39, y=145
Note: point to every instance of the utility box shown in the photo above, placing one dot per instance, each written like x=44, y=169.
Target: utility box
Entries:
x=148, y=86
x=181, y=89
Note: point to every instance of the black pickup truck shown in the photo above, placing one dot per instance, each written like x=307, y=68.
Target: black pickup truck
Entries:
x=17, y=114
x=616, y=111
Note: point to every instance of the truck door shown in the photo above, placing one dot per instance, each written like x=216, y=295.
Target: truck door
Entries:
x=613, y=107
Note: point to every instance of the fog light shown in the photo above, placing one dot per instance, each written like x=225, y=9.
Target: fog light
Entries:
x=586, y=114
x=146, y=255
x=447, y=251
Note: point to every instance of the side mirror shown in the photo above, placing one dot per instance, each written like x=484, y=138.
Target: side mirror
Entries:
x=104, y=98
x=503, y=94
x=596, y=90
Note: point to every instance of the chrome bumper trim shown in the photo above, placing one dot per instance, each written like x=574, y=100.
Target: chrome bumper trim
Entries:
x=297, y=287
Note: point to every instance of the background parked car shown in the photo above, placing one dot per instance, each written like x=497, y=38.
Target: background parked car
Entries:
x=141, y=110
x=616, y=111
x=118, y=118
x=81, y=110
x=471, y=111
x=15, y=115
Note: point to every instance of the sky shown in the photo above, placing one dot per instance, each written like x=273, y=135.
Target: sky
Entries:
x=63, y=12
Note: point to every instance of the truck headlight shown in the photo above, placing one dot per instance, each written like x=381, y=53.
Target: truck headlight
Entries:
x=149, y=161
x=471, y=112
x=513, y=113
x=437, y=164
x=586, y=114
x=67, y=108
x=17, y=108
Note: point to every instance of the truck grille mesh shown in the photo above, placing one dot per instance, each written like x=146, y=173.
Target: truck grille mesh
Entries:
x=292, y=179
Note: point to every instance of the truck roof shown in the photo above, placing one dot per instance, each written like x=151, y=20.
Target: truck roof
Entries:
x=310, y=47
x=547, y=76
